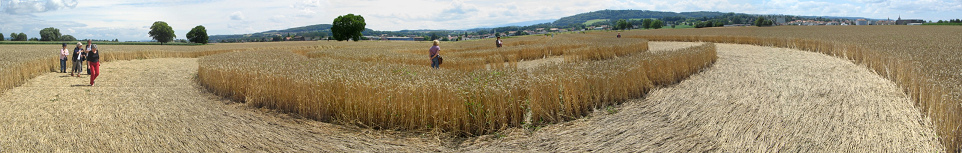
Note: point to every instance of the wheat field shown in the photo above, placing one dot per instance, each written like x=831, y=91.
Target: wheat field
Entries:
x=923, y=60
x=481, y=89
x=478, y=90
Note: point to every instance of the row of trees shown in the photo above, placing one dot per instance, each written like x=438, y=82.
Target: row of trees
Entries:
x=645, y=24
x=762, y=22
x=163, y=33
x=47, y=34
x=950, y=21
x=15, y=37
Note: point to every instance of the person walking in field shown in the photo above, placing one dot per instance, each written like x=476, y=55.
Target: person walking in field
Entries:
x=619, y=35
x=499, y=42
x=435, y=54
x=87, y=52
x=77, y=59
x=63, y=58
x=94, y=58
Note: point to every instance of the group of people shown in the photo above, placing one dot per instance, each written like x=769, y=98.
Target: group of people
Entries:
x=435, y=52
x=80, y=55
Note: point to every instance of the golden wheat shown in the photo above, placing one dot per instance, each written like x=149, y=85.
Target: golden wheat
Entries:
x=388, y=85
x=923, y=60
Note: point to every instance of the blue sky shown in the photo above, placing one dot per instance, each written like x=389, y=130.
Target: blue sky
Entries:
x=130, y=20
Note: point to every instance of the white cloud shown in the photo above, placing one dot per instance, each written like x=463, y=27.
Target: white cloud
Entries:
x=237, y=15
x=34, y=6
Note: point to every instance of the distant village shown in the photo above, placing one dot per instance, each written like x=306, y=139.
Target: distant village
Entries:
x=898, y=21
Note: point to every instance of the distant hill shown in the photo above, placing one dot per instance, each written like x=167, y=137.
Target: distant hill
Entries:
x=631, y=14
x=525, y=23
x=310, y=28
x=318, y=30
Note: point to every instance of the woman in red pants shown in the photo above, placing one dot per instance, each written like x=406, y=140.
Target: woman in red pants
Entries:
x=94, y=58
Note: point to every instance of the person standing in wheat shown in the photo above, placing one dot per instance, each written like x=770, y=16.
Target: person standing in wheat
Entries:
x=435, y=54
x=94, y=57
x=499, y=42
x=63, y=58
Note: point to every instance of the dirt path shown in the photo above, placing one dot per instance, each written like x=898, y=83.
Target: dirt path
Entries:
x=754, y=99
x=156, y=106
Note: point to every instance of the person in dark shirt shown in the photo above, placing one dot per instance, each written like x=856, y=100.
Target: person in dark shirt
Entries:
x=76, y=59
x=94, y=58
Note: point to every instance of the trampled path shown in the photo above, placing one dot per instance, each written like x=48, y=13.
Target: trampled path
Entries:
x=753, y=99
x=155, y=105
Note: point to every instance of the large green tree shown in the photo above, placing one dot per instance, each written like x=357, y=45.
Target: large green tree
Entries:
x=162, y=32
x=67, y=38
x=1, y=36
x=348, y=27
x=50, y=34
x=198, y=35
x=22, y=37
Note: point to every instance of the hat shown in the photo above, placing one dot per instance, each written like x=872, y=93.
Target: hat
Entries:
x=79, y=44
x=94, y=46
x=64, y=44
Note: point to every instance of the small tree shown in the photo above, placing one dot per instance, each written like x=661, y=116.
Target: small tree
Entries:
x=198, y=35
x=13, y=36
x=656, y=24
x=762, y=22
x=277, y=38
x=347, y=27
x=34, y=39
x=622, y=25
x=67, y=38
x=50, y=34
x=434, y=36
x=162, y=32
x=646, y=23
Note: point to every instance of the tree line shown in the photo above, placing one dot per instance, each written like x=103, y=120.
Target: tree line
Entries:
x=46, y=34
x=950, y=21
